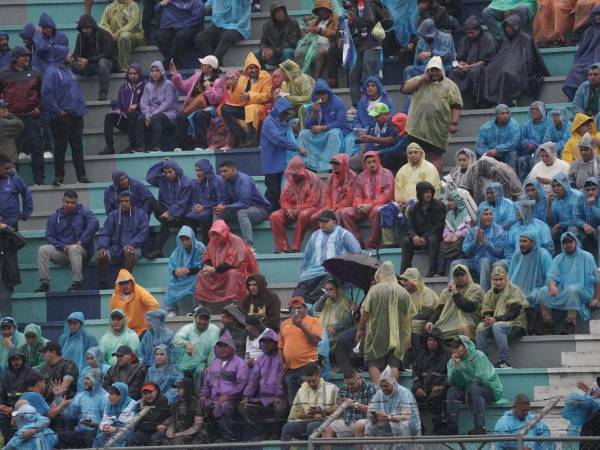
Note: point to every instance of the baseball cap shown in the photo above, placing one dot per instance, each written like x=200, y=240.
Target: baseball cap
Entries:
x=123, y=350
x=326, y=215
x=296, y=301
x=117, y=313
x=210, y=60
x=379, y=108
x=149, y=387
x=202, y=311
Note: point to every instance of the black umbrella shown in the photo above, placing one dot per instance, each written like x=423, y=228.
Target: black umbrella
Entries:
x=356, y=269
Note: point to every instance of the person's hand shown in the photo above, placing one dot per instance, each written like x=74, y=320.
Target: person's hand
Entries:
x=161, y=428
x=428, y=327
x=381, y=416
x=189, y=348
x=129, y=249
x=223, y=398
x=455, y=361
x=58, y=388
x=115, y=36
x=452, y=287
x=197, y=208
x=267, y=54
x=165, y=215
x=436, y=389
x=452, y=128
x=424, y=55
x=209, y=269
x=181, y=271
x=250, y=362
x=170, y=433
x=587, y=229
x=360, y=336
x=489, y=321
x=302, y=151
x=207, y=84
x=480, y=236
x=593, y=303
x=553, y=290
x=147, y=121
x=28, y=434
x=244, y=402
x=330, y=331
x=36, y=112
x=173, y=69
x=543, y=180
x=38, y=29
x=297, y=320
x=420, y=393
x=584, y=387
x=556, y=229
x=219, y=209
x=550, y=198
x=82, y=62
x=66, y=248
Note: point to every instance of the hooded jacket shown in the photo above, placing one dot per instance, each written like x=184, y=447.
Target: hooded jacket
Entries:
x=532, y=133
x=363, y=120
x=586, y=213
x=571, y=150
x=241, y=192
x=265, y=304
x=442, y=45
x=18, y=339
x=140, y=194
x=13, y=381
x=276, y=139
x=67, y=229
x=74, y=346
x=299, y=85
x=166, y=377
x=111, y=341
x=159, y=96
x=180, y=14
x=265, y=380
x=307, y=193
x=11, y=209
x=203, y=343
x=121, y=229
x=231, y=15
x=173, y=195
x=429, y=368
x=259, y=91
x=136, y=305
x=5, y=56
x=340, y=187
x=538, y=230
x=130, y=94
x=48, y=51
x=89, y=404
x=279, y=35
x=563, y=208
x=99, y=45
x=332, y=113
x=539, y=209
x=375, y=189
x=426, y=221
x=208, y=192
x=503, y=138
x=21, y=89
x=494, y=241
x=31, y=353
x=505, y=211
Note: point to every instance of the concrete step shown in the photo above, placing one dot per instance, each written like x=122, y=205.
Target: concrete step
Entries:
x=562, y=381
x=579, y=359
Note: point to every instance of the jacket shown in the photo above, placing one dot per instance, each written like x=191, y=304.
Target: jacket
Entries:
x=331, y=114
x=563, y=209
x=265, y=381
x=129, y=93
x=66, y=229
x=5, y=56
x=213, y=95
x=429, y=368
x=10, y=243
x=571, y=149
x=159, y=97
x=265, y=304
x=132, y=375
x=279, y=35
x=504, y=138
x=430, y=221
x=11, y=209
x=48, y=51
x=180, y=14
x=122, y=229
x=99, y=45
x=582, y=99
x=173, y=195
x=74, y=346
x=21, y=89
x=12, y=382
x=586, y=213
x=231, y=15
x=259, y=92
x=276, y=139
x=299, y=85
x=241, y=193
x=157, y=416
x=33, y=357
x=141, y=197
x=332, y=29
x=208, y=192
x=363, y=120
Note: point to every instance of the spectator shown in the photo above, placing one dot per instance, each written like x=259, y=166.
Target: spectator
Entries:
x=133, y=299
x=431, y=9
x=118, y=335
x=184, y=264
x=207, y=189
x=518, y=66
x=571, y=286
x=587, y=216
x=5, y=52
x=527, y=223
x=559, y=130
x=534, y=191
x=500, y=137
x=119, y=411
x=174, y=190
x=297, y=87
x=276, y=140
x=374, y=188
x=76, y=340
x=325, y=127
x=157, y=333
x=126, y=111
x=13, y=209
x=474, y=53
x=416, y=170
x=35, y=386
x=547, y=165
x=301, y=197
x=393, y=410
x=30, y=350
x=13, y=381
x=457, y=224
x=497, y=11
x=552, y=23
x=230, y=24
x=581, y=410
x=12, y=339
x=532, y=136
x=180, y=22
x=140, y=197
x=223, y=385
x=50, y=45
x=504, y=210
x=233, y=318
x=64, y=105
x=426, y=220
x=95, y=53
x=314, y=401
x=515, y=420
x=70, y=233
x=20, y=87
x=195, y=341
x=430, y=379
x=247, y=103
x=60, y=373
x=503, y=316
x=12, y=127
x=339, y=187
x=164, y=373
x=329, y=241
x=263, y=397
x=227, y=263
x=255, y=330
x=561, y=206
x=432, y=91
x=582, y=124
x=470, y=374
x=159, y=109
x=279, y=37
x=95, y=360
x=122, y=237
x=583, y=102
x=123, y=20
x=586, y=165
x=242, y=200
x=127, y=370
x=151, y=423
x=32, y=430
x=385, y=323
x=486, y=170
x=432, y=42
x=262, y=302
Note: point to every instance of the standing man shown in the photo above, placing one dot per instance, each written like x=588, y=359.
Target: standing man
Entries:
x=11, y=188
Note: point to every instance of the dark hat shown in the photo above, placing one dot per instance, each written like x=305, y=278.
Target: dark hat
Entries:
x=327, y=215
x=51, y=346
x=237, y=312
x=202, y=311
x=123, y=350
x=253, y=320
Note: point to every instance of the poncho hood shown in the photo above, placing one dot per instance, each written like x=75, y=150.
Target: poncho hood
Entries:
x=549, y=147
x=95, y=376
x=275, y=6
x=422, y=187
x=579, y=120
x=470, y=154
x=435, y=63
x=413, y=274
x=321, y=86
x=227, y=340
x=473, y=23
x=498, y=191
x=156, y=318
x=377, y=161
x=251, y=60
x=469, y=276
x=564, y=182
x=124, y=274
x=469, y=345
x=386, y=273
x=592, y=181
x=400, y=120
x=567, y=234
x=96, y=352
x=47, y=22
x=295, y=167
x=138, y=68
x=541, y=106
x=280, y=106
x=116, y=176
x=78, y=316
x=35, y=330
x=172, y=164
x=206, y=167
x=380, y=88
x=27, y=31
x=501, y=108
x=291, y=69
x=87, y=21
x=220, y=228
x=344, y=161
x=269, y=334
x=163, y=73
x=125, y=399
x=560, y=113
x=322, y=4
x=515, y=22
x=525, y=208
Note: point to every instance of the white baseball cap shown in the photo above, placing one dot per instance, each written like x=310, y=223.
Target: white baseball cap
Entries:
x=210, y=60
x=24, y=409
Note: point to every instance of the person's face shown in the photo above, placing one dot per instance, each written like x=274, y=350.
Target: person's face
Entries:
x=323, y=13
x=206, y=69
x=40, y=386
x=525, y=245
x=503, y=117
x=521, y=410
x=382, y=118
x=160, y=357
x=87, y=384
x=126, y=287
x=3, y=43
x=123, y=360
x=323, y=96
x=427, y=196
x=200, y=174
x=253, y=287
x=327, y=226
x=227, y=173
x=592, y=191
x=252, y=71
x=231, y=80
x=297, y=178
x=460, y=279
x=202, y=322
x=7, y=330
x=170, y=173
x=587, y=153
x=313, y=381
x=74, y=326
x=47, y=31
x=556, y=120
x=252, y=331
x=227, y=319
x=269, y=346
x=353, y=384
x=91, y=360
x=6, y=169
x=558, y=189
x=186, y=242
x=594, y=77
x=413, y=155
x=487, y=218
x=278, y=77
x=409, y=285
x=450, y=203
x=331, y=291
x=125, y=203
x=149, y=395
x=49, y=357
x=473, y=34
x=87, y=32
x=463, y=161
x=155, y=74
x=124, y=181
x=69, y=205
x=460, y=351
x=585, y=127
x=597, y=17
x=114, y=398
x=135, y=78
x=335, y=167
x=432, y=344
x=536, y=114
x=372, y=90
x=569, y=246
x=386, y=387
x=435, y=74
x=223, y=351
x=22, y=61
x=490, y=197
x=31, y=339
x=509, y=30
x=531, y=192
x=499, y=282
x=117, y=323
x=371, y=164
x=301, y=310
x=546, y=157
x=279, y=14
x=16, y=362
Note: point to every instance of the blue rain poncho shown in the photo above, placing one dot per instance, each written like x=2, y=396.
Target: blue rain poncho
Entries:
x=156, y=334
x=89, y=404
x=575, y=276
x=538, y=230
x=493, y=246
x=558, y=135
x=75, y=345
x=539, y=209
x=529, y=271
x=363, y=120
x=586, y=213
x=98, y=356
x=442, y=46
x=404, y=13
x=579, y=408
x=28, y=419
x=533, y=132
x=167, y=377
x=231, y=15
x=17, y=340
x=179, y=287
x=503, y=138
x=117, y=416
x=511, y=424
x=563, y=208
x=505, y=211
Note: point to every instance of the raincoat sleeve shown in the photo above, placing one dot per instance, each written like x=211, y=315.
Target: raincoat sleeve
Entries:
x=169, y=99
x=580, y=99
x=154, y=174
x=263, y=95
x=470, y=244
x=339, y=121
x=579, y=214
x=243, y=192
x=496, y=243
x=305, y=89
x=141, y=231
x=52, y=233
x=278, y=140
x=49, y=90
x=215, y=93
x=91, y=226
x=179, y=208
x=184, y=86
x=146, y=297
x=145, y=102
x=483, y=145
x=107, y=232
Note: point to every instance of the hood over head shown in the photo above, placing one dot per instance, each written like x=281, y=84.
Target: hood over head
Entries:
x=377, y=81
x=163, y=72
x=427, y=29
x=156, y=318
x=538, y=187
x=514, y=21
x=138, y=68
x=413, y=274
x=525, y=208
x=568, y=234
x=164, y=349
x=375, y=155
x=116, y=176
x=261, y=281
x=291, y=68
x=468, y=343
x=400, y=119
x=124, y=275
x=473, y=23
x=436, y=334
x=206, y=167
x=27, y=31
x=501, y=108
x=281, y=105
x=321, y=86
x=459, y=202
x=579, y=120
x=251, y=60
x=343, y=159
x=422, y=187
x=539, y=105
x=560, y=112
x=388, y=377
x=97, y=353
x=466, y=269
x=295, y=167
x=386, y=273
x=14, y=352
x=17, y=52
x=591, y=181
x=227, y=340
x=415, y=146
x=548, y=147
x=322, y=4
x=172, y=164
x=470, y=154
x=34, y=329
x=563, y=180
x=277, y=5
x=47, y=22
x=78, y=316
x=480, y=212
x=122, y=388
x=220, y=227
x=95, y=376
x=435, y=63
x=498, y=191
x=87, y=21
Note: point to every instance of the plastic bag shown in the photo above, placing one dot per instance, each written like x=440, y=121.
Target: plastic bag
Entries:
x=378, y=32
x=308, y=47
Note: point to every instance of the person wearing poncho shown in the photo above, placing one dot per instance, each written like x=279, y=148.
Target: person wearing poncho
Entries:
x=164, y=373
x=34, y=341
x=513, y=422
x=76, y=340
x=12, y=338
x=559, y=130
x=95, y=360
x=27, y=419
x=505, y=211
x=415, y=170
x=503, y=313
x=547, y=165
x=582, y=124
x=457, y=224
x=156, y=334
x=297, y=87
x=527, y=223
x=122, y=19
x=385, y=323
x=496, y=12
x=587, y=216
x=464, y=159
x=534, y=190
x=119, y=411
x=561, y=207
x=432, y=42
x=339, y=187
x=571, y=285
x=581, y=410
x=393, y=412
x=587, y=165
x=532, y=136
x=117, y=335
x=184, y=263
x=133, y=299
x=500, y=137
x=553, y=22
x=487, y=170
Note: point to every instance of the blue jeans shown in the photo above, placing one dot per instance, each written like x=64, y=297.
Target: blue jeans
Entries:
x=501, y=332
x=246, y=218
x=483, y=268
x=479, y=396
x=299, y=430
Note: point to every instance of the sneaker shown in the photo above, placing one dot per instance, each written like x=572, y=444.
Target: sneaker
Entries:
x=48, y=155
x=40, y=182
x=44, y=287
x=24, y=156
x=107, y=151
x=568, y=328
x=83, y=179
x=171, y=315
x=76, y=286
x=177, y=149
x=58, y=181
x=502, y=364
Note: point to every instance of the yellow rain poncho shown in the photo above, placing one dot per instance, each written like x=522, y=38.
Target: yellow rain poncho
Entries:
x=422, y=300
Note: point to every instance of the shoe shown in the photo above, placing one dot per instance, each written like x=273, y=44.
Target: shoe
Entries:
x=477, y=430
x=154, y=254
x=58, y=181
x=431, y=274
x=83, y=179
x=102, y=284
x=48, y=155
x=502, y=364
x=40, y=182
x=548, y=328
x=76, y=286
x=24, y=156
x=102, y=96
x=568, y=328
x=177, y=150
x=154, y=150
x=226, y=147
x=44, y=287
x=107, y=151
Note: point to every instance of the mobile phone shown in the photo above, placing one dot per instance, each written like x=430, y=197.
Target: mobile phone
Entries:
x=296, y=312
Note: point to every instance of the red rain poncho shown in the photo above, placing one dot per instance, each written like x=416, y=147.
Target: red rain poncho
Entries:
x=306, y=194
x=339, y=188
x=376, y=189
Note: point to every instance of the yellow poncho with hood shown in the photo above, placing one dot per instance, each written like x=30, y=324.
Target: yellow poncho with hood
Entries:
x=423, y=299
x=408, y=176
x=299, y=86
x=571, y=149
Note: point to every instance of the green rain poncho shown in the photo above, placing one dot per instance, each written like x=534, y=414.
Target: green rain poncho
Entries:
x=299, y=86
x=17, y=339
x=203, y=342
x=474, y=368
x=336, y=314
x=33, y=357
x=452, y=317
x=389, y=324
x=124, y=18
x=422, y=300
x=111, y=341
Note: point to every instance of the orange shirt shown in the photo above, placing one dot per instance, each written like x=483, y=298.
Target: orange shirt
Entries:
x=297, y=350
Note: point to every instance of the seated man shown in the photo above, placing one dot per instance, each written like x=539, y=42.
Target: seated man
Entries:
x=504, y=209
x=410, y=174
x=586, y=165
x=582, y=124
x=157, y=333
x=255, y=330
x=61, y=374
x=571, y=286
x=301, y=197
x=76, y=339
x=263, y=398
x=207, y=189
x=532, y=136
x=559, y=130
x=118, y=334
x=127, y=370
x=126, y=110
x=12, y=385
x=133, y=300
x=374, y=188
x=233, y=318
x=141, y=197
x=124, y=233
x=123, y=20
x=561, y=207
x=534, y=191
x=314, y=401
x=33, y=430
x=119, y=412
x=471, y=378
x=95, y=53
x=247, y=103
x=584, y=101
x=151, y=423
x=548, y=164
x=35, y=386
x=432, y=42
x=526, y=223
x=262, y=302
x=241, y=200
x=279, y=37
x=325, y=127
x=339, y=186
x=174, y=189
x=426, y=219
x=12, y=336
x=500, y=137
x=587, y=216
x=513, y=422
x=383, y=137
x=503, y=316
x=70, y=234
x=329, y=241
x=164, y=372
x=459, y=308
